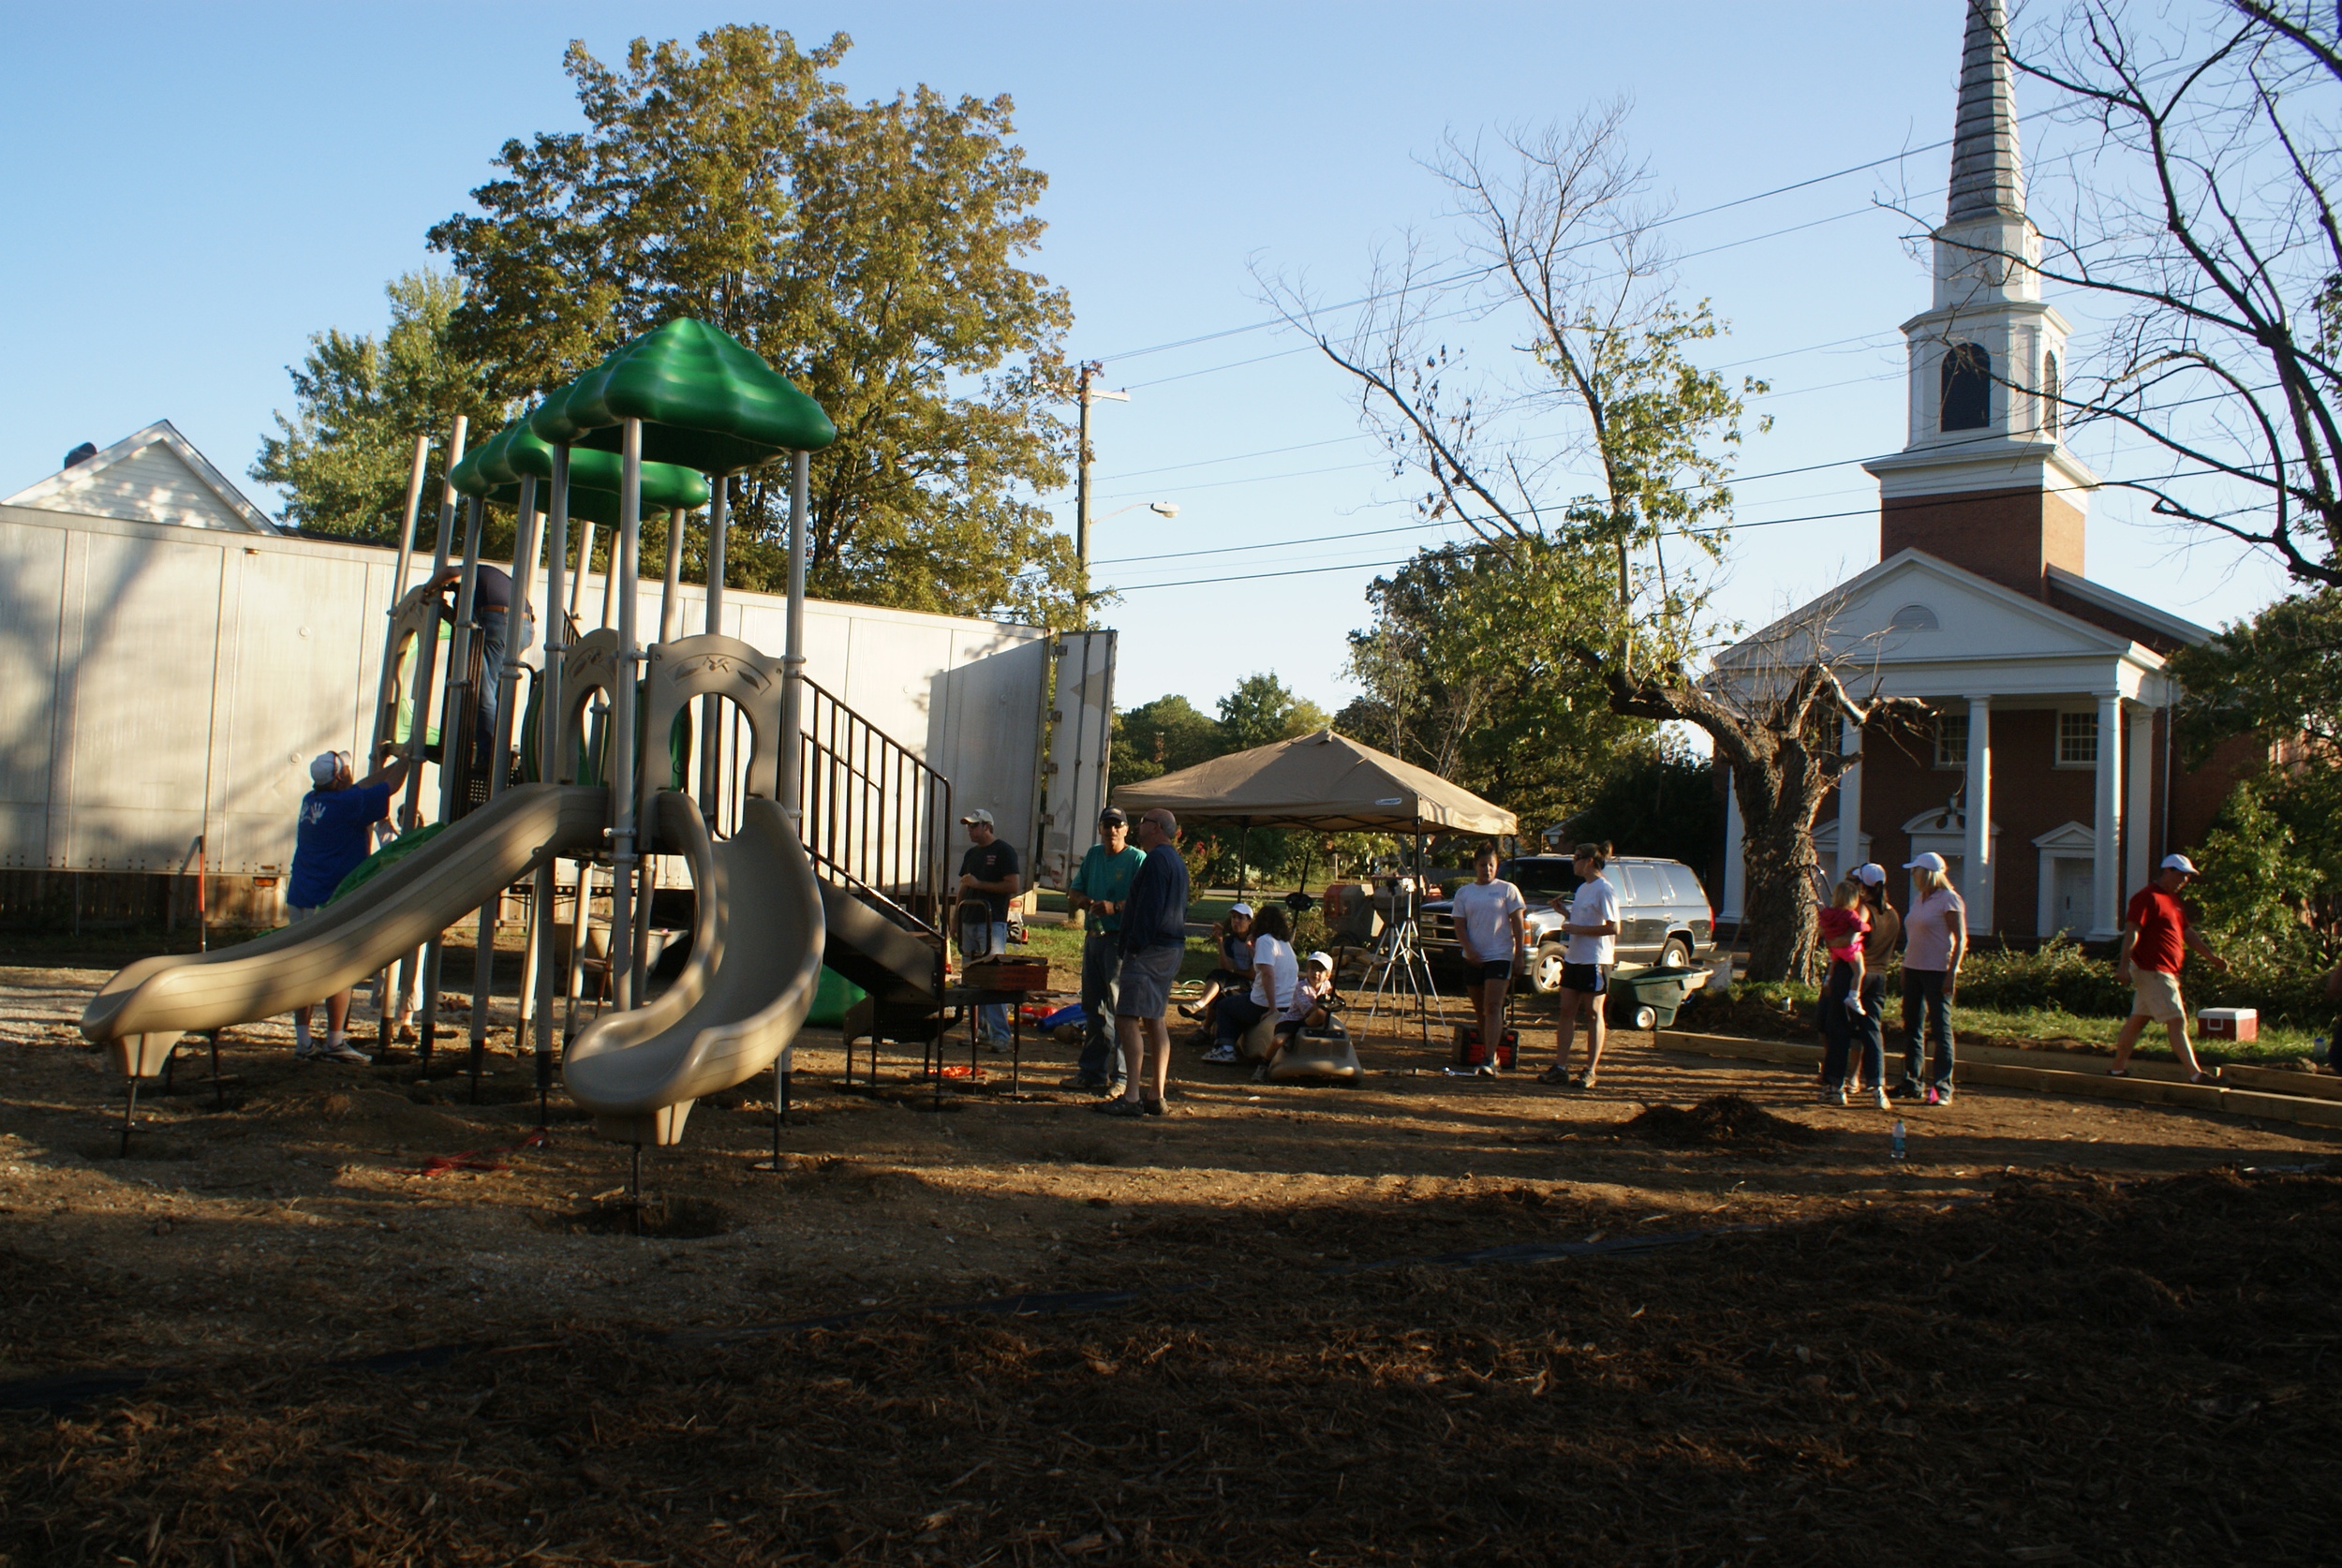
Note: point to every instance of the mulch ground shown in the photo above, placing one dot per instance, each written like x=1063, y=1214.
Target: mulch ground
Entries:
x=2070, y=1369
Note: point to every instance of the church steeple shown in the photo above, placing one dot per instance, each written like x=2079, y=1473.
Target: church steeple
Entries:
x=1984, y=479
x=1987, y=170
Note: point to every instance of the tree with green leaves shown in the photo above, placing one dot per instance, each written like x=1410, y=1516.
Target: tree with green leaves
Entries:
x=1601, y=439
x=1261, y=712
x=868, y=250
x=344, y=458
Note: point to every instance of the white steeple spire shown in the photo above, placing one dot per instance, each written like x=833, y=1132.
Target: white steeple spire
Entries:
x=1987, y=169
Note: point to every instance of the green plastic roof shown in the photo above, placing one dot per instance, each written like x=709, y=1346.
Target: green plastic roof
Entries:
x=495, y=467
x=706, y=403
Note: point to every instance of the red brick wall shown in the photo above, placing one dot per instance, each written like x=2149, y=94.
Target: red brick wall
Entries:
x=2011, y=537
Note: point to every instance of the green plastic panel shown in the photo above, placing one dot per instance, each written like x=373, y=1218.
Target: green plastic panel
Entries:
x=708, y=403
x=384, y=858
x=494, y=469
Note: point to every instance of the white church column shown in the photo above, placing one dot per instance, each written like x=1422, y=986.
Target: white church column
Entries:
x=2105, y=899
x=1735, y=872
x=1849, y=801
x=2137, y=846
x=1978, y=852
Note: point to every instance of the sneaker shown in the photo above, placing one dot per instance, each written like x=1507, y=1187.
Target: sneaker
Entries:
x=1153, y=1107
x=1883, y=1102
x=1941, y=1096
x=304, y=1049
x=1117, y=1106
x=1220, y=1053
x=1905, y=1090
x=1555, y=1076
x=998, y=1047
x=1260, y=1073
x=348, y=1054
x=1832, y=1094
x=1585, y=1079
x=1083, y=1081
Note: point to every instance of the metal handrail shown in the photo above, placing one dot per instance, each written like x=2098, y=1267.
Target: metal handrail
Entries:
x=876, y=819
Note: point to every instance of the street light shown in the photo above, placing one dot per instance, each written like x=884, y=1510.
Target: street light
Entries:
x=1160, y=509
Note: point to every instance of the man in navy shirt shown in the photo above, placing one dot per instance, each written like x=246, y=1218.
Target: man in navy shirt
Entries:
x=1154, y=943
x=328, y=841
x=491, y=614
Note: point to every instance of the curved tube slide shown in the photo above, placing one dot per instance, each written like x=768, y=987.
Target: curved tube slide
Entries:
x=141, y=1011
x=756, y=961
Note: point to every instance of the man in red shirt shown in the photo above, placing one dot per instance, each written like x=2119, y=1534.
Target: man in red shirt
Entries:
x=2156, y=938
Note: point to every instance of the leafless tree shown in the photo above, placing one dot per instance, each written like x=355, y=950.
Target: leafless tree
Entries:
x=2204, y=215
x=1598, y=444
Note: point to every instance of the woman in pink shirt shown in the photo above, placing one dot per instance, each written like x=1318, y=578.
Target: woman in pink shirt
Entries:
x=1937, y=932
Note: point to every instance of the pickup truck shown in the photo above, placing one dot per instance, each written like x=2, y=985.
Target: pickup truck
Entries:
x=1663, y=917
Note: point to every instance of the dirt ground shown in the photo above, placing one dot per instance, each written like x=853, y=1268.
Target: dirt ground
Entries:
x=1413, y=1320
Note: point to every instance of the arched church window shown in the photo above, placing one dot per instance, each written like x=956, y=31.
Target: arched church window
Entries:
x=2051, y=390
x=1968, y=388
x=1915, y=617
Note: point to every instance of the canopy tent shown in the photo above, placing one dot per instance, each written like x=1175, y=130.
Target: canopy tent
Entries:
x=1323, y=781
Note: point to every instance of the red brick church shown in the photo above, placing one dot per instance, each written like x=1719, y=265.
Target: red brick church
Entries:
x=2049, y=782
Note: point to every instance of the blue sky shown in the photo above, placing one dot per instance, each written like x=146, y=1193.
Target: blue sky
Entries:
x=195, y=190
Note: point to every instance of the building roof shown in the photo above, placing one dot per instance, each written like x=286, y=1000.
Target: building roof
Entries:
x=153, y=476
x=2121, y=613
x=1987, y=169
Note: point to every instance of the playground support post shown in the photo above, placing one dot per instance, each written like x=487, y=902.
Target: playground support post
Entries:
x=792, y=647
x=419, y=722
x=452, y=691
x=508, y=680
x=386, y=689
x=711, y=708
x=670, y=594
x=549, y=752
x=626, y=573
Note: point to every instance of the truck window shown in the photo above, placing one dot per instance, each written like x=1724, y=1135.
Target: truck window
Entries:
x=1646, y=886
x=1539, y=880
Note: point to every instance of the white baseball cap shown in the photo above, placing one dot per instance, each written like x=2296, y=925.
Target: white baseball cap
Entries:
x=978, y=815
x=1928, y=861
x=1322, y=961
x=1871, y=873
x=1239, y=908
x=2181, y=862
x=327, y=765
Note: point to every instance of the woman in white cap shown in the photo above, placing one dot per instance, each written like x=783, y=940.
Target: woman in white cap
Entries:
x=1937, y=928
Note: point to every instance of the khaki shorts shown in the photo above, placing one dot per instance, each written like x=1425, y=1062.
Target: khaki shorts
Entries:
x=2155, y=995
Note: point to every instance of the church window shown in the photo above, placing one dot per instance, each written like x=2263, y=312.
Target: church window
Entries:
x=1952, y=740
x=2078, y=740
x=1915, y=617
x=2052, y=391
x=1968, y=388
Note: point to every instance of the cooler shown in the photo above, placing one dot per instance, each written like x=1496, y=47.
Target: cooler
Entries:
x=2239, y=1024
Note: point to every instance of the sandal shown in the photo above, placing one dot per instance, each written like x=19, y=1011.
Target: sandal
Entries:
x=2118, y=1071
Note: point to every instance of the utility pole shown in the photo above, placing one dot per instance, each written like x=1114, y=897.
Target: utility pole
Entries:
x=1086, y=395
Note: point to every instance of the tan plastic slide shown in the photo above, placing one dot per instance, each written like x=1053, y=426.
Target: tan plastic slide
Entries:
x=756, y=962
x=141, y=1010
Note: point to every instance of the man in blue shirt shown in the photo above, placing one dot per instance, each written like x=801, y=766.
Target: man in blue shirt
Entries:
x=1154, y=942
x=1103, y=886
x=330, y=839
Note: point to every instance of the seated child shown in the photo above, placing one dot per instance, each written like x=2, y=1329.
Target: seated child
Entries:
x=1234, y=937
x=1307, y=1010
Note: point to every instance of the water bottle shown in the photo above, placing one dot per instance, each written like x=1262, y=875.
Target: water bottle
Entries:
x=1896, y=1153
x=2319, y=1049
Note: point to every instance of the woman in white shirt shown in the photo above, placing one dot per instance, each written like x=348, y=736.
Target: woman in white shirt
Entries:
x=1592, y=929
x=1275, y=971
x=1492, y=922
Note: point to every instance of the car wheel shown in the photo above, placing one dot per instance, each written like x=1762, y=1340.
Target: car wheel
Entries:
x=1677, y=955
x=1546, y=973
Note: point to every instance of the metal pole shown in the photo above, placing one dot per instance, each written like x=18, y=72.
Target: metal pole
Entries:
x=670, y=610
x=507, y=677
x=792, y=654
x=584, y=556
x=427, y=659
x=549, y=758
x=459, y=679
x=711, y=708
x=625, y=572
x=386, y=690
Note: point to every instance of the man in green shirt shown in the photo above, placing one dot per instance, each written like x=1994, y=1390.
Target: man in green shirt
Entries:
x=1100, y=887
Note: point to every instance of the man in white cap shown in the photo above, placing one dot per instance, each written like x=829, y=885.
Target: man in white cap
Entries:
x=989, y=877
x=329, y=840
x=2157, y=935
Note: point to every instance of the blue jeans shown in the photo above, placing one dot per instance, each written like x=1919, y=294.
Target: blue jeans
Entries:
x=1841, y=1028
x=992, y=1018
x=1923, y=1000
x=1101, y=987
x=492, y=623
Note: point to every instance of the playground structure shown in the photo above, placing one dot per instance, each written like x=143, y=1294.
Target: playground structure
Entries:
x=796, y=807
